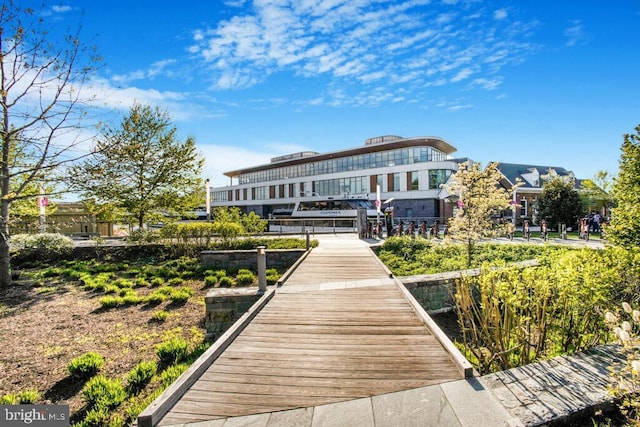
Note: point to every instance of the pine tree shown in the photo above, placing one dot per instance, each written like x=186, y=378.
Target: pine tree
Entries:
x=624, y=229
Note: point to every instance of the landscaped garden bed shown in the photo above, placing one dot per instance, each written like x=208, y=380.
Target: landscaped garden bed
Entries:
x=143, y=318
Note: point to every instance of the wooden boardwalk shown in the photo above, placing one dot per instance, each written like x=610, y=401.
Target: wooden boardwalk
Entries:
x=325, y=337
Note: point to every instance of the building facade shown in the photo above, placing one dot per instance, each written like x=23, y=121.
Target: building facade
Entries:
x=531, y=179
x=409, y=173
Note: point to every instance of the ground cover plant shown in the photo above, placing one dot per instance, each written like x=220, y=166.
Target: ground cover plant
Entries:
x=105, y=337
x=406, y=256
x=511, y=316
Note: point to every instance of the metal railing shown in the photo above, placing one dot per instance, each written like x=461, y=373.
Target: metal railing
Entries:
x=312, y=225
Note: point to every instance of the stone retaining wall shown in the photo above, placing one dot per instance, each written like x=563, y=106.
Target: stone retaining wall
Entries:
x=435, y=291
x=224, y=306
x=276, y=258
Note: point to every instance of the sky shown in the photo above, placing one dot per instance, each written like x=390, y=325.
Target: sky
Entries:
x=544, y=82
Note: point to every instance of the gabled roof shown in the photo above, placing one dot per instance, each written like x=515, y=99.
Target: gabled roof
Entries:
x=515, y=171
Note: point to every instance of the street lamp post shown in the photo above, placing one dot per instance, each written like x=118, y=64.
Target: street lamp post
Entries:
x=207, y=199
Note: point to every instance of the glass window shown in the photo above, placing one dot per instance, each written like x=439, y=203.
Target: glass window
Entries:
x=437, y=177
x=413, y=181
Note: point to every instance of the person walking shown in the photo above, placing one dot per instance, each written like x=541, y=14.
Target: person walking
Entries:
x=510, y=230
x=525, y=230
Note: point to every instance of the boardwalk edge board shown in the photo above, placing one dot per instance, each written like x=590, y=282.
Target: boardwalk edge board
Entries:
x=464, y=366
x=163, y=403
x=293, y=268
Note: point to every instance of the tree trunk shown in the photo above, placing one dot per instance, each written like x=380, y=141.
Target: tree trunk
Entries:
x=5, y=256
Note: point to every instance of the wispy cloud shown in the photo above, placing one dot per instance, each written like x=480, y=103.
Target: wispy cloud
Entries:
x=500, y=14
x=157, y=68
x=411, y=44
x=575, y=33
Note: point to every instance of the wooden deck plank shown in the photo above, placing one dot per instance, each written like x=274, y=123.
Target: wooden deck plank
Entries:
x=307, y=349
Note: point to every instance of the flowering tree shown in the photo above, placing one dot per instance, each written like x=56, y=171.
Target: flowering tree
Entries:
x=479, y=198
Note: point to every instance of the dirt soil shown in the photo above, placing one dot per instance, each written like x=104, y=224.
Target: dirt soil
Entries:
x=42, y=329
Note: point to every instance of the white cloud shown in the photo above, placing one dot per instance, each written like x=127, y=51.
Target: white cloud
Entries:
x=373, y=42
x=157, y=68
x=366, y=50
x=61, y=9
x=220, y=158
x=575, y=34
x=462, y=75
x=488, y=84
x=500, y=14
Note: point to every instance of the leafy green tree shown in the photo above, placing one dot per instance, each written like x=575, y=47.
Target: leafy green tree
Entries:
x=253, y=223
x=595, y=192
x=141, y=167
x=559, y=202
x=43, y=104
x=624, y=229
x=479, y=197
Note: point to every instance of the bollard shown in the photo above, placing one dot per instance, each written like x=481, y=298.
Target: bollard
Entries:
x=308, y=241
x=262, y=269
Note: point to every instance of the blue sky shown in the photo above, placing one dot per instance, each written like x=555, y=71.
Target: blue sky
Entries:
x=541, y=82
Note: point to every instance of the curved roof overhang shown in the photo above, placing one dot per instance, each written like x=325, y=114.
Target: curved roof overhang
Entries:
x=434, y=142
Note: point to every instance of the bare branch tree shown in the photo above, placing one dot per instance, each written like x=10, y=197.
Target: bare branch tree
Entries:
x=43, y=105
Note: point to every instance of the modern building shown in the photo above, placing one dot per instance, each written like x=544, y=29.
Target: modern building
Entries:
x=407, y=171
x=69, y=218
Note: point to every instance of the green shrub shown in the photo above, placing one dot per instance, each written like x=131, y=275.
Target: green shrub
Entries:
x=172, y=351
x=110, y=301
x=273, y=278
x=210, y=280
x=9, y=399
x=85, y=366
x=102, y=392
x=512, y=316
x=71, y=273
x=141, y=236
x=160, y=316
x=182, y=295
x=245, y=278
x=220, y=274
x=157, y=281
x=52, y=272
x=176, y=281
x=109, y=289
x=140, y=282
x=131, y=298
x=28, y=397
x=140, y=375
x=53, y=242
x=156, y=298
x=227, y=281
x=122, y=283
x=169, y=375
x=100, y=417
